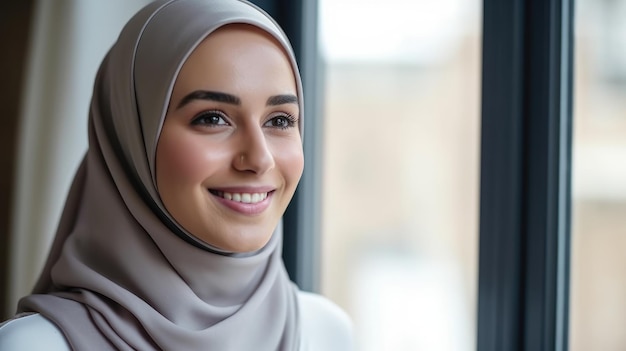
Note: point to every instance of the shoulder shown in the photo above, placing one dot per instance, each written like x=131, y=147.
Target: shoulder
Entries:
x=325, y=326
x=33, y=332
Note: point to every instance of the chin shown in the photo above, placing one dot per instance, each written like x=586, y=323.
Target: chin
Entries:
x=241, y=242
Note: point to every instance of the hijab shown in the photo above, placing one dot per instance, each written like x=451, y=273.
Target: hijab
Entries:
x=121, y=274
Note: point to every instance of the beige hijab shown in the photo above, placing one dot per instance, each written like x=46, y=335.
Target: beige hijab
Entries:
x=121, y=273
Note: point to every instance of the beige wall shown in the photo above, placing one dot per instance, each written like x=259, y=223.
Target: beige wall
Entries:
x=68, y=40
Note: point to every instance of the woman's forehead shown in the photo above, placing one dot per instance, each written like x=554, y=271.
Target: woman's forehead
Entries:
x=234, y=58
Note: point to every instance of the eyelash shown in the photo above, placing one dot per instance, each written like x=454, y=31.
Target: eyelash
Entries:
x=201, y=120
x=290, y=120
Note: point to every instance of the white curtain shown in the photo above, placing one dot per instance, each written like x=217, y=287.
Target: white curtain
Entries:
x=69, y=39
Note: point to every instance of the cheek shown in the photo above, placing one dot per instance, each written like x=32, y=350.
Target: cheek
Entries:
x=183, y=159
x=290, y=158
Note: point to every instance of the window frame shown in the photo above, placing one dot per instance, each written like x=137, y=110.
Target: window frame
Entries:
x=525, y=186
x=525, y=206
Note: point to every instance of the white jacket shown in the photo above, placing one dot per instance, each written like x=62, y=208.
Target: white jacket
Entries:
x=325, y=327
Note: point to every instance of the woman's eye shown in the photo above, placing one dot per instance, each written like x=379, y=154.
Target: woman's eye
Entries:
x=282, y=122
x=211, y=118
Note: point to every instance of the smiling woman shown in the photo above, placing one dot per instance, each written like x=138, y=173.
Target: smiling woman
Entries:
x=171, y=235
x=230, y=153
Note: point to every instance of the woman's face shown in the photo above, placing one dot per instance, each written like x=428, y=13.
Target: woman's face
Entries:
x=229, y=155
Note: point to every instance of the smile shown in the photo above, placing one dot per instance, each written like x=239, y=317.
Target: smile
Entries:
x=247, y=198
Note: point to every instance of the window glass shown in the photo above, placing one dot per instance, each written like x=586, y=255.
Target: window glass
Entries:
x=598, y=282
x=401, y=169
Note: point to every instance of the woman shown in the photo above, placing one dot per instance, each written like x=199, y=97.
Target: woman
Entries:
x=170, y=238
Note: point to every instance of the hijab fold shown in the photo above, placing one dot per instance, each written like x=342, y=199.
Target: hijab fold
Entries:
x=121, y=273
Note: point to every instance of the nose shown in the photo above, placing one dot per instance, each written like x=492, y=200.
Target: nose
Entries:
x=255, y=154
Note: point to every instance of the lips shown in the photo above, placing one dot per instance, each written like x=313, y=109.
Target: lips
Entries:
x=246, y=201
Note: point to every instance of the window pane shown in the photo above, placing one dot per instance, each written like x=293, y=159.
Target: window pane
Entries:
x=401, y=167
x=598, y=294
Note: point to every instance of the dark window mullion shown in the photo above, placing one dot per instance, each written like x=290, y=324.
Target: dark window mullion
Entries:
x=501, y=244
x=525, y=175
x=548, y=158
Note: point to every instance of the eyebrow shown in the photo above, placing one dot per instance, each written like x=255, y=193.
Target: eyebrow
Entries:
x=281, y=99
x=232, y=99
x=209, y=95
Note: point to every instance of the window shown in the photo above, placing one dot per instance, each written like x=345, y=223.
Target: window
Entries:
x=401, y=164
x=599, y=178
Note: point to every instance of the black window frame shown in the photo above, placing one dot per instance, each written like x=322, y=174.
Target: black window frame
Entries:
x=524, y=257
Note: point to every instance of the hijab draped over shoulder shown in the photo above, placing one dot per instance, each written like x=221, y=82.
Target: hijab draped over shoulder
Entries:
x=121, y=273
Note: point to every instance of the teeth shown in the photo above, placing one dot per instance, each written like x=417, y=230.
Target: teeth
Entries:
x=248, y=198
